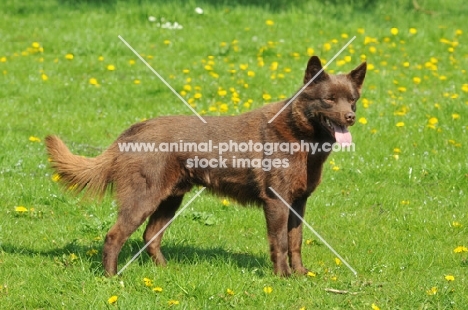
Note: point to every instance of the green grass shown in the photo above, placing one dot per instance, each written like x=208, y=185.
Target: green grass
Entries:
x=395, y=209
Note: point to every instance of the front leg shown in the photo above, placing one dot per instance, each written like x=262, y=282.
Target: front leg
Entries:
x=276, y=214
x=295, y=236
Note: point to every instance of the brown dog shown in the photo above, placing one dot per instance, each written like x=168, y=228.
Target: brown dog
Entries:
x=152, y=183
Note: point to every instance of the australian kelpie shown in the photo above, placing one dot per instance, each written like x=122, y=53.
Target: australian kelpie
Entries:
x=151, y=183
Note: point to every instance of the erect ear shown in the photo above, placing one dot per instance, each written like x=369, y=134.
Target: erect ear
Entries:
x=313, y=67
x=357, y=75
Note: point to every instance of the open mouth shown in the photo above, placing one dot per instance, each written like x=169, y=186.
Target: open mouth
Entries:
x=340, y=132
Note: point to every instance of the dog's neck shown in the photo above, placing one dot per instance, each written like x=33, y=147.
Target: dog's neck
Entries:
x=297, y=123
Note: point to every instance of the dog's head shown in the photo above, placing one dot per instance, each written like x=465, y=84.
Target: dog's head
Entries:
x=329, y=101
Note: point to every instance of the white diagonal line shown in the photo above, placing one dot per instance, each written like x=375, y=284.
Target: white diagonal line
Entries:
x=315, y=233
x=161, y=78
x=161, y=230
x=312, y=79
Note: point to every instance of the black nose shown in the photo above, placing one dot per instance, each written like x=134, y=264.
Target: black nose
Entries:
x=350, y=117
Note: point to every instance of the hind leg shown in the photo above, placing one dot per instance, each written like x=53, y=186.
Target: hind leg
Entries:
x=130, y=217
x=155, y=228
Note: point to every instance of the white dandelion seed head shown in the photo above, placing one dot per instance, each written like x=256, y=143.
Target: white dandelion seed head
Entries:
x=198, y=10
x=151, y=19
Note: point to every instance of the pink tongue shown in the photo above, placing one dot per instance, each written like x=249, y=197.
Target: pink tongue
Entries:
x=342, y=135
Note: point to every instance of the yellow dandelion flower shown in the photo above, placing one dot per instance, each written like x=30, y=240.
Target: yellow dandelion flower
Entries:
x=456, y=224
x=370, y=67
x=344, y=35
x=269, y=22
x=432, y=291
x=335, y=168
x=225, y=202
x=197, y=95
x=92, y=252
x=167, y=42
x=21, y=209
x=187, y=87
x=337, y=261
x=368, y=40
x=3, y=59
x=136, y=82
x=311, y=274
x=173, y=302
x=223, y=108
x=310, y=51
x=112, y=300
x=365, y=103
x=266, y=97
x=148, y=282
x=394, y=31
x=274, y=66
x=34, y=139
x=372, y=49
x=347, y=58
x=334, y=278
x=375, y=307
x=416, y=80
x=251, y=73
x=267, y=289
x=433, y=121
x=35, y=45
x=402, y=89
x=230, y=292
x=55, y=177
x=406, y=64
x=396, y=150
x=362, y=120
x=449, y=278
x=327, y=46
x=243, y=66
x=460, y=249
x=157, y=289
x=361, y=30
x=212, y=109
x=464, y=88
x=222, y=92
x=111, y=67
x=69, y=56
x=101, y=58
x=93, y=81
x=131, y=62
x=400, y=124
x=340, y=63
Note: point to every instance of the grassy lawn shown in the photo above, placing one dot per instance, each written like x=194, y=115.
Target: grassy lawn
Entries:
x=395, y=209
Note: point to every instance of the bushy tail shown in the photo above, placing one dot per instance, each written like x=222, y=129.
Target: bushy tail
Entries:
x=77, y=172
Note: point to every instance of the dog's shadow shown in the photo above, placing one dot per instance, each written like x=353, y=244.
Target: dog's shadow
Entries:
x=174, y=253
